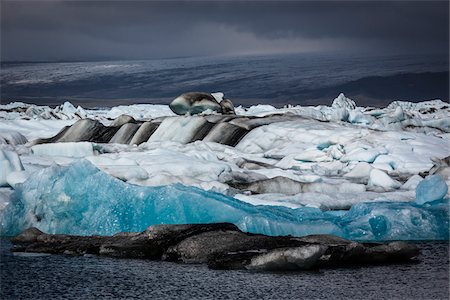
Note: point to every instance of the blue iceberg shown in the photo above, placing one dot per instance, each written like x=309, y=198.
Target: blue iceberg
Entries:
x=432, y=188
x=81, y=199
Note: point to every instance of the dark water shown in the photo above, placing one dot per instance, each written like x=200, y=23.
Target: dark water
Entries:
x=53, y=277
x=277, y=79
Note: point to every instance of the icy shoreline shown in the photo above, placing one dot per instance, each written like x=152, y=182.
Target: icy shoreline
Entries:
x=295, y=157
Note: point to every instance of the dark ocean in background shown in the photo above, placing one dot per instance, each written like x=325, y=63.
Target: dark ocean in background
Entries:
x=65, y=277
x=278, y=80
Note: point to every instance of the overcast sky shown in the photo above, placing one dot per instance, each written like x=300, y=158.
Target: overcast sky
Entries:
x=90, y=30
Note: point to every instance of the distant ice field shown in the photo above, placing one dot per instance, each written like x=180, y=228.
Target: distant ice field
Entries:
x=277, y=80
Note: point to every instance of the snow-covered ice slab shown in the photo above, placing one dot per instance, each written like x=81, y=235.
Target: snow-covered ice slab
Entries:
x=81, y=199
x=80, y=149
x=9, y=162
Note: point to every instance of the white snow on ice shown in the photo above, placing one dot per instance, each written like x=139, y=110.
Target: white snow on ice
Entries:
x=343, y=154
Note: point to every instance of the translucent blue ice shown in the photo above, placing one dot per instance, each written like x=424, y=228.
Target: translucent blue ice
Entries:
x=430, y=189
x=81, y=199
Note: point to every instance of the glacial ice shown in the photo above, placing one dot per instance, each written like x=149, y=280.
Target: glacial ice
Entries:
x=70, y=149
x=360, y=170
x=12, y=137
x=412, y=182
x=361, y=154
x=397, y=221
x=432, y=188
x=16, y=177
x=316, y=146
x=382, y=180
x=218, y=96
x=358, y=117
x=9, y=162
x=140, y=111
x=343, y=102
x=81, y=199
x=178, y=129
x=286, y=259
x=65, y=111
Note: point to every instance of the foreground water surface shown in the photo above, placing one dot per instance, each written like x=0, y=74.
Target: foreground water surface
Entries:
x=35, y=276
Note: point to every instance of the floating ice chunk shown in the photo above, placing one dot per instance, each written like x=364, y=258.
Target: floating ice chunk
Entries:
x=218, y=96
x=343, y=102
x=334, y=201
x=256, y=110
x=12, y=137
x=399, y=114
x=127, y=173
x=71, y=149
x=122, y=120
x=336, y=151
x=227, y=107
x=68, y=108
x=5, y=198
x=437, y=104
x=17, y=177
x=309, y=178
x=412, y=182
x=269, y=199
x=432, y=188
x=125, y=133
x=81, y=112
x=390, y=220
x=361, y=154
x=313, y=155
x=178, y=129
x=361, y=170
x=383, y=166
x=194, y=103
x=330, y=189
x=9, y=162
x=140, y=111
x=311, y=112
x=380, y=179
x=13, y=105
x=335, y=114
x=65, y=111
x=288, y=259
x=103, y=160
x=387, y=162
x=357, y=117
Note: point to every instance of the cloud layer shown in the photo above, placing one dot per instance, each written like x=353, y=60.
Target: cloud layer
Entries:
x=81, y=30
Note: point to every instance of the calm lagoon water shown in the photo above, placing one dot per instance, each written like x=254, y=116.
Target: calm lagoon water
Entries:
x=64, y=277
x=304, y=79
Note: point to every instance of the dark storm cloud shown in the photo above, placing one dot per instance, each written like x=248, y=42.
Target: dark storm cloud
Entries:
x=54, y=30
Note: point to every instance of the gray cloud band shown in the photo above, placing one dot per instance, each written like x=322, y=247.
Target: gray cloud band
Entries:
x=147, y=29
